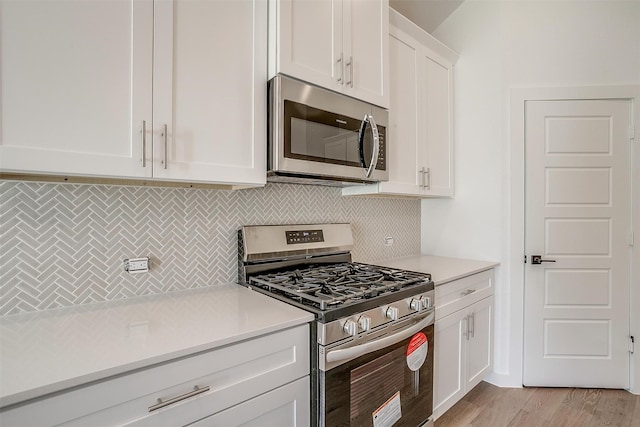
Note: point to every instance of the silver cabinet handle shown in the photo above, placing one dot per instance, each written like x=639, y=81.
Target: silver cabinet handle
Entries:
x=427, y=185
x=467, y=292
x=421, y=171
x=164, y=134
x=465, y=333
x=144, y=143
x=349, y=66
x=341, y=69
x=162, y=403
x=472, y=329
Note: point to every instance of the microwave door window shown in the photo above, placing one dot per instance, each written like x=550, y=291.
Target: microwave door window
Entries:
x=319, y=136
x=343, y=147
x=323, y=143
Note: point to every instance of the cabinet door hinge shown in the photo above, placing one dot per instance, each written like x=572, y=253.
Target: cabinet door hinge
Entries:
x=631, y=344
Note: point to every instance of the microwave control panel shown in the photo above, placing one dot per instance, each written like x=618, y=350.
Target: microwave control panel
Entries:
x=382, y=161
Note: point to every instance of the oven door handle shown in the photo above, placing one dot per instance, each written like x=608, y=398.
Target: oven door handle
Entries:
x=362, y=349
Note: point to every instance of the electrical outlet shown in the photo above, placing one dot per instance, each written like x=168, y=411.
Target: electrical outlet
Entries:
x=136, y=265
x=388, y=241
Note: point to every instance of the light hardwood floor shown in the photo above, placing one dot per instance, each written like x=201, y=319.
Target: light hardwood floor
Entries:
x=490, y=406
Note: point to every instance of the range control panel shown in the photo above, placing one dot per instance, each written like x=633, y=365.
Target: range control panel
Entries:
x=304, y=236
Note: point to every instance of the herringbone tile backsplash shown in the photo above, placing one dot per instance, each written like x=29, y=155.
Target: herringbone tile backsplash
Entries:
x=63, y=244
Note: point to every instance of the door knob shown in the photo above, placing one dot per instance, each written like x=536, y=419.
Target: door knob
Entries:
x=537, y=259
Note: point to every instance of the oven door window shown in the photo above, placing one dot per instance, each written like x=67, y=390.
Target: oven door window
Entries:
x=380, y=383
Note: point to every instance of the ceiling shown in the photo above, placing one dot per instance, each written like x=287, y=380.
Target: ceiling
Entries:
x=427, y=14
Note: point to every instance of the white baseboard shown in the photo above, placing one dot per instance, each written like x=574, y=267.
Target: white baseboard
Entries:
x=504, y=380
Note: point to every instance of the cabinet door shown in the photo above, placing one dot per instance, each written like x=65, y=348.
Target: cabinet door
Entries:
x=420, y=138
x=438, y=125
x=309, y=41
x=76, y=87
x=287, y=406
x=209, y=91
x=480, y=344
x=404, y=116
x=450, y=361
x=365, y=44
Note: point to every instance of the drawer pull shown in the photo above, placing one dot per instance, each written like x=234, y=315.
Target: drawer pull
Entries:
x=162, y=403
x=467, y=292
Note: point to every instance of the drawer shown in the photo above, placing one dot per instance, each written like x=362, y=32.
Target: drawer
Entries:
x=287, y=406
x=233, y=374
x=458, y=294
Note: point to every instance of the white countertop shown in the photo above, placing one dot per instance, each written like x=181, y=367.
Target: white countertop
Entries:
x=442, y=269
x=52, y=350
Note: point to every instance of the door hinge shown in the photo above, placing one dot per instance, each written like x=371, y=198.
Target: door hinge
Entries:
x=631, y=344
x=525, y=259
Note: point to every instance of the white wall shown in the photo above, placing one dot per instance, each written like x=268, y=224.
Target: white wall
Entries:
x=504, y=45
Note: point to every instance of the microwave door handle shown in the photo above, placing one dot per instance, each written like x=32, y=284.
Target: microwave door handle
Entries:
x=376, y=145
x=368, y=119
x=363, y=127
x=360, y=350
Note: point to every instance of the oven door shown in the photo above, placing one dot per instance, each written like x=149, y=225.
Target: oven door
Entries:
x=386, y=381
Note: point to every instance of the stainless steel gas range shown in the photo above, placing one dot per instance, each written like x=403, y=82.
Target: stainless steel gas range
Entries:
x=372, y=338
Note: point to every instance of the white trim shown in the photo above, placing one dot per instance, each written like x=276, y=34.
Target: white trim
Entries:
x=518, y=97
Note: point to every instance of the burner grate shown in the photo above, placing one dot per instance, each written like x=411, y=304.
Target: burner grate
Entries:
x=327, y=286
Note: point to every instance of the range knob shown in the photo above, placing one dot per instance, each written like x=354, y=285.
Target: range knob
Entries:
x=392, y=313
x=365, y=323
x=425, y=302
x=350, y=327
x=415, y=304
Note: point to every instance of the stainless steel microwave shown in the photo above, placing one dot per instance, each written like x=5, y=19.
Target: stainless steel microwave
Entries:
x=322, y=137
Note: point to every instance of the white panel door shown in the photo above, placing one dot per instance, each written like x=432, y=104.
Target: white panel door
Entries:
x=210, y=82
x=76, y=87
x=578, y=215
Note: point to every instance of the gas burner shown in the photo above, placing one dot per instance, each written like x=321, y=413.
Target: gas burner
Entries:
x=328, y=286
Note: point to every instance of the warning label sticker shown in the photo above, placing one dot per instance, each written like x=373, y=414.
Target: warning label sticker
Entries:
x=388, y=413
x=417, y=351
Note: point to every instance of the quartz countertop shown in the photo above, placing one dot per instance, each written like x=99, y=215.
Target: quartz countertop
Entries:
x=442, y=269
x=49, y=351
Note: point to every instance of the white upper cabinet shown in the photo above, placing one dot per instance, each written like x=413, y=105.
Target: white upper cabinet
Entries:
x=420, y=136
x=90, y=76
x=210, y=91
x=76, y=86
x=340, y=45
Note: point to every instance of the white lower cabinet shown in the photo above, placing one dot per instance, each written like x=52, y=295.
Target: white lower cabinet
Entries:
x=263, y=381
x=464, y=338
x=284, y=406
